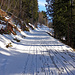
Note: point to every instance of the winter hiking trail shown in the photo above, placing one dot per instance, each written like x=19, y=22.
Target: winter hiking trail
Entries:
x=37, y=54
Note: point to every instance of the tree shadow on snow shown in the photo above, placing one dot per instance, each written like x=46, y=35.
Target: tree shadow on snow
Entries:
x=37, y=62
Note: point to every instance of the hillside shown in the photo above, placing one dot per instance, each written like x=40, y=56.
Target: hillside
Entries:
x=28, y=46
x=35, y=53
x=11, y=24
x=26, y=50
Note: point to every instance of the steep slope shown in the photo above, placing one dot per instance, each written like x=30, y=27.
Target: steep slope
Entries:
x=10, y=23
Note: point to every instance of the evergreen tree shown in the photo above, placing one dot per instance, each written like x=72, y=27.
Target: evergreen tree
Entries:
x=62, y=12
x=26, y=10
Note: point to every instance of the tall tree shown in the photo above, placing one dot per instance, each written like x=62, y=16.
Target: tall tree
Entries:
x=62, y=12
x=42, y=18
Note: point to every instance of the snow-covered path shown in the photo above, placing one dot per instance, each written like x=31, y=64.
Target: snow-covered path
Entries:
x=37, y=54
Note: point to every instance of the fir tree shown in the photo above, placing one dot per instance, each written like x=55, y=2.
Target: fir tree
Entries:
x=62, y=12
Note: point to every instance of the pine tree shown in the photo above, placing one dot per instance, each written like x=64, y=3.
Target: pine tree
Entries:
x=62, y=12
x=27, y=10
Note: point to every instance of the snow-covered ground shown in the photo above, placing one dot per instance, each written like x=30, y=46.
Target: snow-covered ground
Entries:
x=36, y=54
x=46, y=29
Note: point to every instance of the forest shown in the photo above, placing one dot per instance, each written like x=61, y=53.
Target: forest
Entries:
x=35, y=42
x=27, y=10
x=62, y=13
x=23, y=9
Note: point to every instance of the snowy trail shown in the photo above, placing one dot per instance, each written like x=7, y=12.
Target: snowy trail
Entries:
x=38, y=54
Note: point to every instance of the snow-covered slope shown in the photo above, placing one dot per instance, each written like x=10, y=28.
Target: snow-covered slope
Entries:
x=36, y=54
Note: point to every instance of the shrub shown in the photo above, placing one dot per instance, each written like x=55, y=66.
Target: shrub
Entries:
x=1, y=30
x=9, y=45
x=26, y=28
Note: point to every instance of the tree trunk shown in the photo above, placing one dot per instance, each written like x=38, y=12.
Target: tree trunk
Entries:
x=20, y=8
x=2, y=3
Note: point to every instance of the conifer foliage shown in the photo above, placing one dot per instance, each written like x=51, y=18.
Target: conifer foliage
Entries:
x=27, y=10
x=63, y=16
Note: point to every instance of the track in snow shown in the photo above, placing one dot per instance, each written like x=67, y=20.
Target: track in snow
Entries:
x=42, y=55
x=48, y=60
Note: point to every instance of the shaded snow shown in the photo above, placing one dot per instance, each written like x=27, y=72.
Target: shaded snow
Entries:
x=36, y=54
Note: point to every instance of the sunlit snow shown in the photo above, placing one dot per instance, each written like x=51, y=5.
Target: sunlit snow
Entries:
x=36, y=54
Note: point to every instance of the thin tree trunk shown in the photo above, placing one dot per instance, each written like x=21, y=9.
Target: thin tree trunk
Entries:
x=2, y=3
x=20, y=8
x=71, y=27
